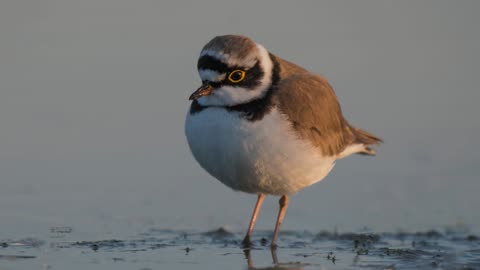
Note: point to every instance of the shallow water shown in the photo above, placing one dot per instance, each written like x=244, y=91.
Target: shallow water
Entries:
x=63, y=248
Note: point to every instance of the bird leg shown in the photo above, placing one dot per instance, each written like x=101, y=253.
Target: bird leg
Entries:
x=281, y=214
x=273, y=251
x=246, y=240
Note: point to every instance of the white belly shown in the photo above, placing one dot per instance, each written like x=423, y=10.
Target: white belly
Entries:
x=261, y=156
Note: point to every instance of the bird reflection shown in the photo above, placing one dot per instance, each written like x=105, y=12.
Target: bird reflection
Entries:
x=276, y=265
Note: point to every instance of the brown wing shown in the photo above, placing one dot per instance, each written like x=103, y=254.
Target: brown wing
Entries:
x=310, y=103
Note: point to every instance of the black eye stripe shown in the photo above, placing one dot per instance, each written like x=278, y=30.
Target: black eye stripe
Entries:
x=253, y=75
x=253, y=78
x=212, y=63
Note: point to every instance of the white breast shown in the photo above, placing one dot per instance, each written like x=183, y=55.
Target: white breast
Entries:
x=257, y=157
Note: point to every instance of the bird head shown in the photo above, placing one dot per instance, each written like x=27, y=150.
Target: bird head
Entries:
x=234, y=70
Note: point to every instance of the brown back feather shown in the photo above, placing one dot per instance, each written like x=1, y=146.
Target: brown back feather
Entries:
x=288, y=69
x=310, y=103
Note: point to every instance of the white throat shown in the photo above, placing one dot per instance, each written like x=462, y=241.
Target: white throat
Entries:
x=229, y=95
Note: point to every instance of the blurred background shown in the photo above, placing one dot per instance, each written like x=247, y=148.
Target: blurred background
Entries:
x=93, y=97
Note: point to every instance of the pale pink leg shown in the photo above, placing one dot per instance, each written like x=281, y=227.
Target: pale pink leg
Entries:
x=281, y=214
x=273, y=250
x=246, y=240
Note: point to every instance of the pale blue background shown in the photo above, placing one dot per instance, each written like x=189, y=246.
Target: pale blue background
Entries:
x=93, y=96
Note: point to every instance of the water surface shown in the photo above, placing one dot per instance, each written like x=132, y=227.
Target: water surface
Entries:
x=62, y=248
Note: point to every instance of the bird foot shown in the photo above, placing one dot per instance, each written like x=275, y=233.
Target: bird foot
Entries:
x=246, y=242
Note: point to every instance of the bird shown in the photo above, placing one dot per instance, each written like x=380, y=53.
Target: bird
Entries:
x=263, y=125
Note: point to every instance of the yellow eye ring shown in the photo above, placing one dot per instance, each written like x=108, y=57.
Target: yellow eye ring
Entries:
x=236, y=76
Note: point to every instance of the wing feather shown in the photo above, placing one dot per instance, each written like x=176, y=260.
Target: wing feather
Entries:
x=310, y=103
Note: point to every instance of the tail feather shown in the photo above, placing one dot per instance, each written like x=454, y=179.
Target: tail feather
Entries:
x=366, y=139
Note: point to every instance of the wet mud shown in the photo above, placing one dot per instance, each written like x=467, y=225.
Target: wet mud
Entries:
x=222, y=249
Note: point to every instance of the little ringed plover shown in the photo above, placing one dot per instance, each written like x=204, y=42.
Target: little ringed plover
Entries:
x=263, y=125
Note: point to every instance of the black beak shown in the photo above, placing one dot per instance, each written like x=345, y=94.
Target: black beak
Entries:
x=204, y=90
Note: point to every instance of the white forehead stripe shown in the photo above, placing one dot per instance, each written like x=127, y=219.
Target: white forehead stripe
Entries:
x=211, y=75
x=216, y=54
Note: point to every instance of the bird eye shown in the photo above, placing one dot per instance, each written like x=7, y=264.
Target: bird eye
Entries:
x=236, y=76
